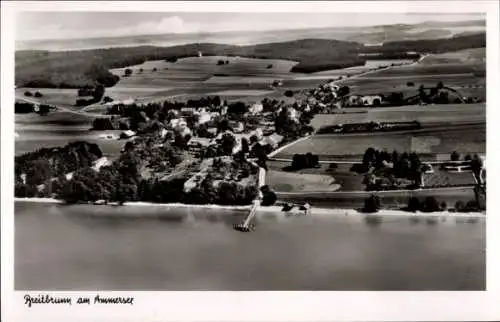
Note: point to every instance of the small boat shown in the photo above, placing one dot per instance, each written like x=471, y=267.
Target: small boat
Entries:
x=287, y=207
x=243, y=228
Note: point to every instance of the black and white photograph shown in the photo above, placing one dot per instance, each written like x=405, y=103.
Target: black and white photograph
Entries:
x=249, y=151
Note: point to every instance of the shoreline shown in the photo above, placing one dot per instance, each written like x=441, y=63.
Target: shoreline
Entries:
x=275, y=209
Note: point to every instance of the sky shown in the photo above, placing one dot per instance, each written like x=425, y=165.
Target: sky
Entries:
x=74, y=25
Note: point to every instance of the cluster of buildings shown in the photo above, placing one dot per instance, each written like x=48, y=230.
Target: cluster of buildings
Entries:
x=328, y=97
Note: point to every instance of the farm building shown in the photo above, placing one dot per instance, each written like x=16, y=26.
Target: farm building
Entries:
x=188, y=110
x=353, y=100
x=374, y=100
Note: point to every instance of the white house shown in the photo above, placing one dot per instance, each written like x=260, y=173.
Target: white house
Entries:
x=272, y=140
x=127, y=134
x=102, y=162
x=129, y=101
x=258, y=133
x=256, y=109
x=204, y=117
x=184, y=131
x=178, y=123
x=333, y=86
x=238, y=128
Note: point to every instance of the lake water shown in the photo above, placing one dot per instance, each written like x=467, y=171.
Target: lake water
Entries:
x=67, y=248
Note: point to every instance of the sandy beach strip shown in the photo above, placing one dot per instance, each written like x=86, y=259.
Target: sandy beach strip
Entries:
x=320, y=212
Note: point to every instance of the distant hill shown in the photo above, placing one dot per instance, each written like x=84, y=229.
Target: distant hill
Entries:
x=72, y=69
x=365, y=34
x=88, y=67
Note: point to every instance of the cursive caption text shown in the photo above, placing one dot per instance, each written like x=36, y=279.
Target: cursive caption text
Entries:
x=98, y=299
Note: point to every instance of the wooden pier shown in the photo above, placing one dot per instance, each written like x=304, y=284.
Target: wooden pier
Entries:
x=246, y=225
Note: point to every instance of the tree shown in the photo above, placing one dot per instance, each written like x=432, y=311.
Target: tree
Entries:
x=343, y=91
x=223, y=126
x=28, y=93
x=141, y=70
x=372, y=204
x=98, y=92
x=430, y=204
x=410, y=84
x=476, y=166
x=228, y=142
x=289, y=93
x=155, y=69
x=107, y=99
x=269, y=66
x=440, y=85
x=127, y=72
x=269, y=198
x=421, y=93
x=237, y=108
x=413, y=204
x=455, y=156
x=369, y=157
x=395, y=98
x=38, y=94
x=459, y=206
x=245, y=147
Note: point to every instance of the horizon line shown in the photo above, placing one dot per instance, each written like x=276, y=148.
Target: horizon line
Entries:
x=241, y=30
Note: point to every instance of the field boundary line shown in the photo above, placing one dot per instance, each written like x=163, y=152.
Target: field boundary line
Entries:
x=464, y=188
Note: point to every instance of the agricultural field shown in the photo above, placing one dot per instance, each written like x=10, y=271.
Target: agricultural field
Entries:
x=467, y=78
x=468, y=138
x=444, y=178
x=430, y=114
x=300, y=182
x=57, y=129
x=51, y=96
x=461, y=56
x=196, y=76
x=242, y=78
x=336, y=179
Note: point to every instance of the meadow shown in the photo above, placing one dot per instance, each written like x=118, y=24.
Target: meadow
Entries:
x=430, y=114
x=339, y=179
x=52, y=96
x=461, y=56
x=388, y=199
x=300, y=182
x=57, y=129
